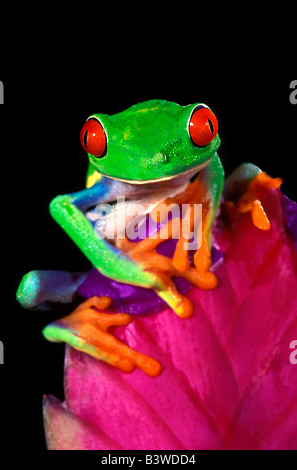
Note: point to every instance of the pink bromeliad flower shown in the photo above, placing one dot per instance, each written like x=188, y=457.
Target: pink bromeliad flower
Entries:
x=227, y=381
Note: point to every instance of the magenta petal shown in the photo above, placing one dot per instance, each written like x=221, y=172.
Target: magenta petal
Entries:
x=191, y=349
x=65, y=431
x=267, y=415
x=139, y=412
x=282, y=435
x=265, y=286
x=227, y=382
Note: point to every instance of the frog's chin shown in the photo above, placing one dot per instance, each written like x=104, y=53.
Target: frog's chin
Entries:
x=177, y=179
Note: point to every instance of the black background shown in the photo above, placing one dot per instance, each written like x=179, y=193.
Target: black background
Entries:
x=45, y=107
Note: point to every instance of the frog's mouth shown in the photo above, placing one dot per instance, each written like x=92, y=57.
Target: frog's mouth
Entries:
x=177, y=180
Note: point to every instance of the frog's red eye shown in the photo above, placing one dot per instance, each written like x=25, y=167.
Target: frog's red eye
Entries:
x=93, y=138
x=203, y=126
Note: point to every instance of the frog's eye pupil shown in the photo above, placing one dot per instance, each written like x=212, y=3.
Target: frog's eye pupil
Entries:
x=211, y=126
x=86, y=138
x=203, y=126
x=93, y=138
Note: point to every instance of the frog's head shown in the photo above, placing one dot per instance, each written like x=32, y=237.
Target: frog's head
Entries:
x=151, y=141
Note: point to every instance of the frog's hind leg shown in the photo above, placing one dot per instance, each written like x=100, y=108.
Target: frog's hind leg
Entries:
x=86, y=329
x=39, y=289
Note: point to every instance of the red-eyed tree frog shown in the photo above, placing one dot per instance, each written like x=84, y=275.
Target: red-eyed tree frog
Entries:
x=152, y=147
x=150, y=151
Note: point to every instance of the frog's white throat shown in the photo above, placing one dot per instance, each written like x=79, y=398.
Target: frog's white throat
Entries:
x=177, y=179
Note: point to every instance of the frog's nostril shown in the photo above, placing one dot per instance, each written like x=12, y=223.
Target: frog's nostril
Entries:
x=159, y=158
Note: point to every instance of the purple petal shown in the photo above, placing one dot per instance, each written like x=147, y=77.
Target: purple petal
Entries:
x=290, y=212
x=127, y=298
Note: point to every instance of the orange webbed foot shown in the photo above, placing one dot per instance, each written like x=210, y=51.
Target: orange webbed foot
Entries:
x=86, y=329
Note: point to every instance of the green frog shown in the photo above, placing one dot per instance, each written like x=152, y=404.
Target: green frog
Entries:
x=152, y=147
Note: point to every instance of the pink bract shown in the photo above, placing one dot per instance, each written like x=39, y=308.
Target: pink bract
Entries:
x=227, y=381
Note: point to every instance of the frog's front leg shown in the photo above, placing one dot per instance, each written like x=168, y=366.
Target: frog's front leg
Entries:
x=39, y=289
x=212, y=177
x=68, y=211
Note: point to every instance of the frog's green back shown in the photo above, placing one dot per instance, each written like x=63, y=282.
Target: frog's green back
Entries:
x=151, y=106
